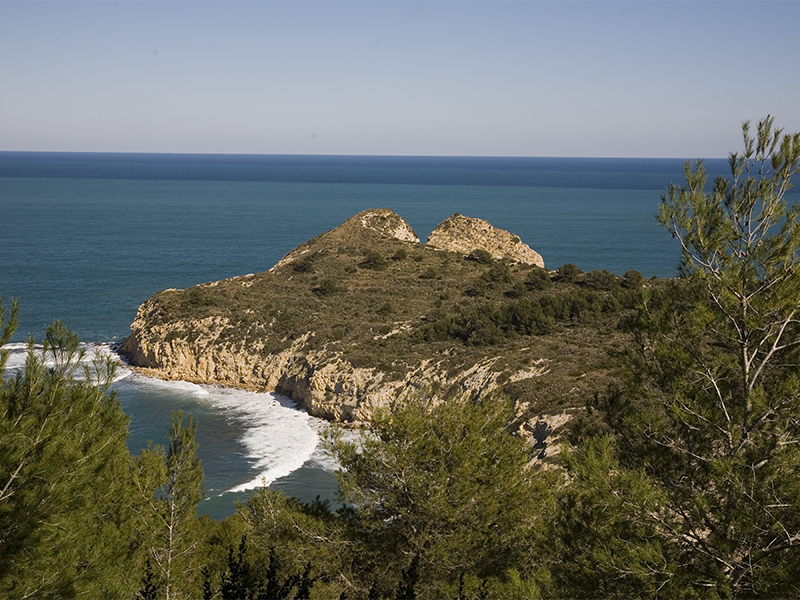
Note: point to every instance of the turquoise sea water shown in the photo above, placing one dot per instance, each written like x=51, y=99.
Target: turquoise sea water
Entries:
x=86, y=238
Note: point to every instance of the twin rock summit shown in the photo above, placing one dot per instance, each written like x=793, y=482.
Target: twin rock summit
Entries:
x=359, y=317
x=457, y=233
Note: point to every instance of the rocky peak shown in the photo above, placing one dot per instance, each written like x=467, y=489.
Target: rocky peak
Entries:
x=459, y=233
x=382, y=222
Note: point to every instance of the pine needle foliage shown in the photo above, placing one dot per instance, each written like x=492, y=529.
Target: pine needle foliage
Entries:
x=710, y=411
x=443, y=492
x=65, y=485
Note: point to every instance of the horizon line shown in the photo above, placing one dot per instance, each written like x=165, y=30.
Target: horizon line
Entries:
x=344, y=155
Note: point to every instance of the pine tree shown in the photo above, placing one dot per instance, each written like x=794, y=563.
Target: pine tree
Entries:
x=443, y=487
x=237, y=582
x=65, y=484
x=603, y=538
x=148, y=591
x=8, y=325
x=408, y=580
x=171, y=485
x=710, y=413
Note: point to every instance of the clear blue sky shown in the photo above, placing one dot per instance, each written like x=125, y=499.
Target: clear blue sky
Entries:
x=667, y=79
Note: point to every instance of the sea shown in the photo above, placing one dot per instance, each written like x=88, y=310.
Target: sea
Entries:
x=87, y=237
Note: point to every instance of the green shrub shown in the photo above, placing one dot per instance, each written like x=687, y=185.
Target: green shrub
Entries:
x=373, y=260
x=303, y=266
x=480, y=256
x=478, y=288
x=601, y=280
x=197, y=297
x=538, y=279
x=498, y=273
x=568, y=273
x=488, y=324
x=429, y=273
x=632, y=280
x=327, y=287
x=610, y=304
x=517, y=291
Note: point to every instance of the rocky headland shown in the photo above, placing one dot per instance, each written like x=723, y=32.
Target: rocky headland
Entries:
x=364, y=316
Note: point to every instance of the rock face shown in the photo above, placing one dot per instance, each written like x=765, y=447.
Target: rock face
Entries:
x=462, y=234
x=324, y=383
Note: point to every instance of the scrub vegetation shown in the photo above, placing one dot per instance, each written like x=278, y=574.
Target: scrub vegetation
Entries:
x=679, y=479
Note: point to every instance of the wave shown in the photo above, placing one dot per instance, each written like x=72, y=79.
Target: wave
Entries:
x=322, y=458
x=174, y=386
x=273, y=436
x=18, y=353
x=278, y=436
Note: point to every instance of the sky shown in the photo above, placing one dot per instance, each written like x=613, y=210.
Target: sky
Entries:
x=381, y=77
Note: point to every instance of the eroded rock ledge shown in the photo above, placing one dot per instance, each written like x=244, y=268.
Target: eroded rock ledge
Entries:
x=323, y=382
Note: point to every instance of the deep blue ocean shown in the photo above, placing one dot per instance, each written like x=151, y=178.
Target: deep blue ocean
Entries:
x=86, y=238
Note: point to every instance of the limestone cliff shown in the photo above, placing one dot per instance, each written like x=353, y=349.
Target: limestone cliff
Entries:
x=322, y=381
x=463, y=234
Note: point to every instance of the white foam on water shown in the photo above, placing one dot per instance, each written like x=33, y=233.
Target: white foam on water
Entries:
x=16, y=346
x=278, y=436
x=16, y=356
x=105, y=351
x=321, y=457
x=185, y=387
x=18, y=353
